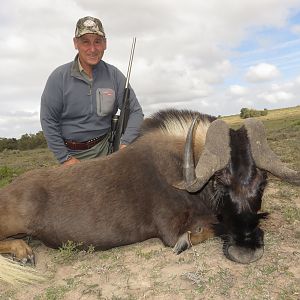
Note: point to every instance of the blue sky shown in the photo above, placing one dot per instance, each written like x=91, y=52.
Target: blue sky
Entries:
x=214, y=56
x=278, y=46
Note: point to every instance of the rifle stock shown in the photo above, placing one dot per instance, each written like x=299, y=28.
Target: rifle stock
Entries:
x=122, y=121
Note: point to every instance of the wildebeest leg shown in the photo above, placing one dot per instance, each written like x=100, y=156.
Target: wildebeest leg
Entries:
x=16, y=214
x=18, y=249
x=12, y=227
x=189, y=238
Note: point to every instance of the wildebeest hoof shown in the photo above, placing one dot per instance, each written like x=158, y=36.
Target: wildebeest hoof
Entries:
x=19, y=250
x=183, y=243
x=243, y=255
x=29, y=260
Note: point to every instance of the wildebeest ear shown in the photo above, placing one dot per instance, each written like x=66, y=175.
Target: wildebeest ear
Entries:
x=264, y=157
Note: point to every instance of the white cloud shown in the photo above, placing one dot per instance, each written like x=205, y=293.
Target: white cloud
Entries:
x=244, y=102
x=277, y=97
x=13, y=124
x=238, y=90
x=262, y=72
x=295, y=29
x=297, y=80
x=182, y=55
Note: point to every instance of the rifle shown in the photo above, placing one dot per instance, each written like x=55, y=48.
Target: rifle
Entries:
x=119, y=123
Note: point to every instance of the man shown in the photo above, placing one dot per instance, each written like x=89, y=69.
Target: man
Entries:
x=81, y=97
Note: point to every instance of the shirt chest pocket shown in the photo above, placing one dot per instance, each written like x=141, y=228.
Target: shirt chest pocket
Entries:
x=105, y=100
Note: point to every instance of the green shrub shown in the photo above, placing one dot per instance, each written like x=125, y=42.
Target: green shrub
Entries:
x=6, y=175
x=26, y=142
x=67, y=252
x=250, y=113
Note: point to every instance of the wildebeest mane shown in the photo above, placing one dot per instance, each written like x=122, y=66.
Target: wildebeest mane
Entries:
x=175, y=122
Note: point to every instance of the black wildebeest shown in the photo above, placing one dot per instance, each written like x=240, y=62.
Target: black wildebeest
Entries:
x=152, y=189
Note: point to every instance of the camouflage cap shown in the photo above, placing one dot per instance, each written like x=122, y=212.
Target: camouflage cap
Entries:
x=89, y=25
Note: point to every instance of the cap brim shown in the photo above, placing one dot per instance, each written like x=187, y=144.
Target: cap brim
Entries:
x=89, y=31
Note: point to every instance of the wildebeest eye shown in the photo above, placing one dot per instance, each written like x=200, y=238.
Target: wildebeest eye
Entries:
x=263, y=215
x=223, y=177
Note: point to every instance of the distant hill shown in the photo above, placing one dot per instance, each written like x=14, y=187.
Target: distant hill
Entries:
x=276, y=115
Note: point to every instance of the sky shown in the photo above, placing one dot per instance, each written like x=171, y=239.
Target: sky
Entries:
x=214, y=56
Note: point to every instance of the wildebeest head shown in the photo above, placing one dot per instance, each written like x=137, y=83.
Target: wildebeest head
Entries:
x=237, y=162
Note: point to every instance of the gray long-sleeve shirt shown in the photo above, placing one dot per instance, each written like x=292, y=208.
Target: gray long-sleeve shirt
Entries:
x=74, y=108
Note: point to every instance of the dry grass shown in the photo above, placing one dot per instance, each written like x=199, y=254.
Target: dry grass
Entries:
x=278, y=115
x=15, y=274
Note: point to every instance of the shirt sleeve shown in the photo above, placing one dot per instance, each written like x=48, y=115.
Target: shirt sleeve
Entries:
x=50, y=114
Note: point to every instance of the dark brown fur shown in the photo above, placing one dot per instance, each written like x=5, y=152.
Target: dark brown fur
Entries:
x=130, y=196
x=117, y=200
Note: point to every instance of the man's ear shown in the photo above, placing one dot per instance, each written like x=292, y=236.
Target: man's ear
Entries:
x=75, y=43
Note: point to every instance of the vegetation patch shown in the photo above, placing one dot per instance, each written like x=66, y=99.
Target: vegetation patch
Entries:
x=7, y=174
x=250, y=113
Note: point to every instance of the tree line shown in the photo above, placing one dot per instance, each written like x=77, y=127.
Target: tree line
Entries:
x=26, y=142
x=33, y=141
x=250, y=113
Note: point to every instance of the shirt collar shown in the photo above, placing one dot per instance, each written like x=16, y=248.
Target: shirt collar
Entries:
x=79, y=65
x=81, y=70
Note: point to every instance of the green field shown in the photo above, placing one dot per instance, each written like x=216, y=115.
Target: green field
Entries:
x=283, y=132
x=149, y=270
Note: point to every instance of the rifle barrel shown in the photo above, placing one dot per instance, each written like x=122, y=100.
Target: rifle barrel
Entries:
x=124, y=115
x=130, y=62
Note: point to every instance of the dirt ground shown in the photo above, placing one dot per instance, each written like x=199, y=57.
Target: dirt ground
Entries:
x=149, y=270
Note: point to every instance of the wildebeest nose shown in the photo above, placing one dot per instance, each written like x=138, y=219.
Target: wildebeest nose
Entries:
x=248, y=236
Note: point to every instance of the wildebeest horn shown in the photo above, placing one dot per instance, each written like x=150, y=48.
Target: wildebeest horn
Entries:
x=189, y=174
x=215, y=156
x=264, y=157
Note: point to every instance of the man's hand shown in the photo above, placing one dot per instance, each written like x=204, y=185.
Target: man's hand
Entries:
x=122, y=146
x=71, y=161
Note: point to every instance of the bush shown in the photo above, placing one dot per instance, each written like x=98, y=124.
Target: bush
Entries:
x=26, y=142
x=7, y=174
x=250, y=113
x=264, y=112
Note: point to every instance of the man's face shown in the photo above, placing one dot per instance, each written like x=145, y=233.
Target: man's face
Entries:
x=90, y=48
